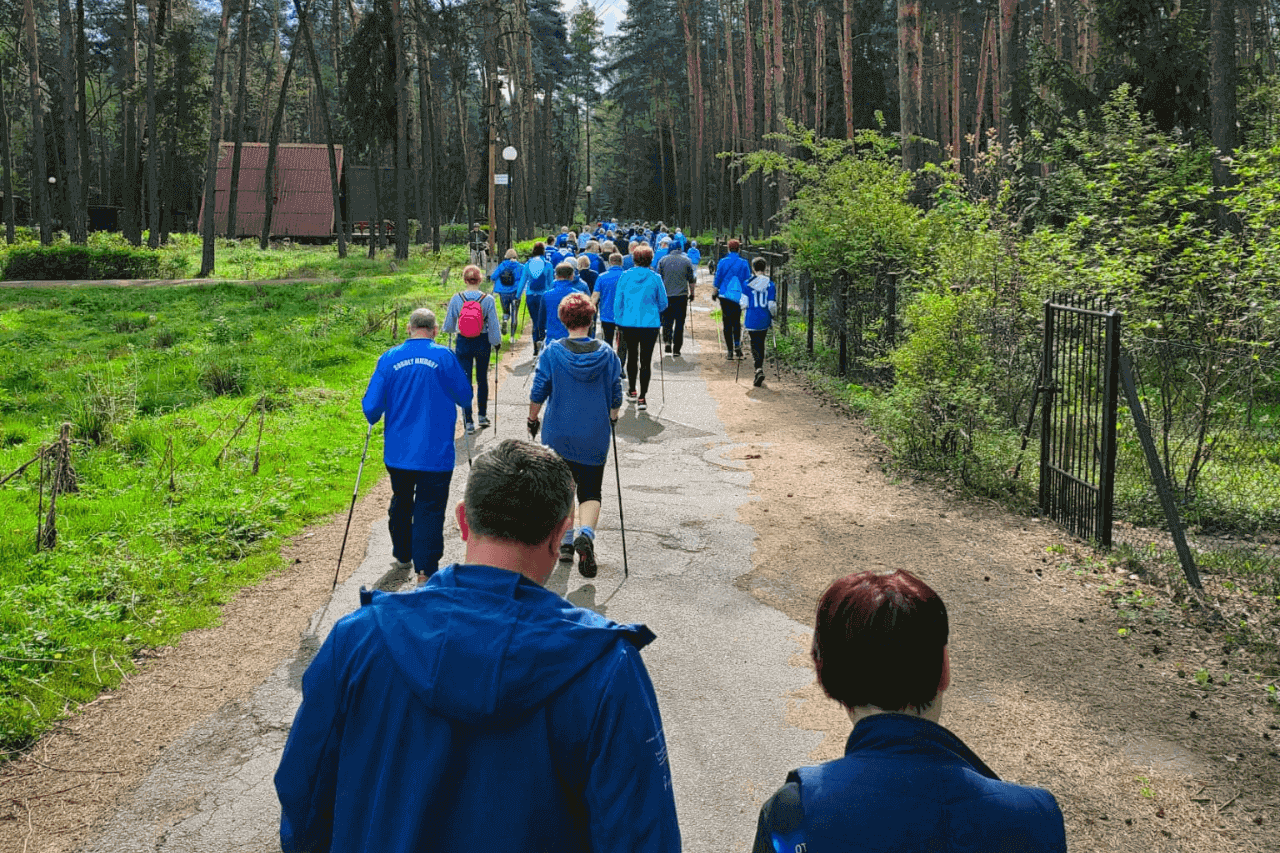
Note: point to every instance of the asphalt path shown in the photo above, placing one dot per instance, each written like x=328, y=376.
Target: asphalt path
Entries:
x=723, y=664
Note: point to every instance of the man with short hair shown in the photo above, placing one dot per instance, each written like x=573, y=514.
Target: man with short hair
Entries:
x=905, y=783
x=482, y=711
x=678, y=277
x=732, y=272
x=418, y=387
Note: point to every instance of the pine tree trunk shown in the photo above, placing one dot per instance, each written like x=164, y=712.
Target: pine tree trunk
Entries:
x=6, y=163
x=846, y=66
x=215, y=143
x=39, y=184
x=429, y=142
x=328, y=128
x=269, y=177
x=233, y=196
x=153, y=136
x=131, y=216
x=1222, y=101
x=910, y=83
x=402, y=132
x=1009, y=112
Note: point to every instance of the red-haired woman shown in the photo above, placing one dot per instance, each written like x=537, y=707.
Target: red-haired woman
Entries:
x=905, y=783
x=580, y=380
x=638, y=304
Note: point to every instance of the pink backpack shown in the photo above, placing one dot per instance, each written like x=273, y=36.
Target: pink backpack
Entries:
x=471, y=318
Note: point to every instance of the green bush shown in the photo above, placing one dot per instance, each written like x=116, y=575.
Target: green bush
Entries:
x=76, y=263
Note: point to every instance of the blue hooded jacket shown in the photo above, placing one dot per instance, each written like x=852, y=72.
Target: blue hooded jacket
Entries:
x=759, y=303
x=908, y=785
x=539, y=275
x=640, y=299
x=582, y=377
x=480, y=712
x=551, y=305
x=417, y=385
x=517, y=271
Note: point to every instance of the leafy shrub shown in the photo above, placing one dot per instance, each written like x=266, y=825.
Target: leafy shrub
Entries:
x=73, y=263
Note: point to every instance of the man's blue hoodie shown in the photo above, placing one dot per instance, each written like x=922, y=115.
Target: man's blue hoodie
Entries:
x=480, y=712
x=583, y=379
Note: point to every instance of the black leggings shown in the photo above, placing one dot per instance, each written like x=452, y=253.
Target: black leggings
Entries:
x=731, y=313
x=639, y=345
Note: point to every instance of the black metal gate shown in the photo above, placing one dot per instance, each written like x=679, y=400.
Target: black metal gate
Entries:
x=1080, y=381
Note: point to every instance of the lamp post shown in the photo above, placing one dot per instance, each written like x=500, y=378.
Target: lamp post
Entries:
x=588, y=205
x=510, y=154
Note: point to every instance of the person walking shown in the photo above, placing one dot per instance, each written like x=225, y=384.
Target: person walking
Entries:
x=473, y=316
x=678, y=278
x=564, y=284
x=579, y=379
x=732, y=272
x=905, y=784
x=537, y=280
x=506, y=287
x=606, y=285
x=417, y=386
x=638, y=304
x=759, y=306
x=482, y=712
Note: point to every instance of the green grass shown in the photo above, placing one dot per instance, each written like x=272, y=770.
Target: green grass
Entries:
x=160, y=375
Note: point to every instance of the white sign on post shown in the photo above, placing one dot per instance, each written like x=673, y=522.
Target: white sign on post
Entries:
x=500, y=180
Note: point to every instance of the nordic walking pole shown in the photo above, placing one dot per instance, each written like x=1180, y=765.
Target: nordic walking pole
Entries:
x=662, y=369
x=617, y=473
x=351, y=511
x=466, y=439
x=497, y=357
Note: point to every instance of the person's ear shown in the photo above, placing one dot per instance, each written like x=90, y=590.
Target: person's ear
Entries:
x=463, y=527
x=944, y=681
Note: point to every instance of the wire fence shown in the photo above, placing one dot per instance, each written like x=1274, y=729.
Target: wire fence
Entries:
x=1213, y=407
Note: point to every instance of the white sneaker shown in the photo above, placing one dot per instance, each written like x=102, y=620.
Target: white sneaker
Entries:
x=399, y=566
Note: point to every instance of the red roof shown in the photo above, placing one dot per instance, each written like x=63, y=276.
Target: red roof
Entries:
x=303, y=190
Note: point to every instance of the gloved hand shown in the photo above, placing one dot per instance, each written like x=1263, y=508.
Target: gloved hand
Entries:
x=715, y=294
x=497, y=348
x=534, y=426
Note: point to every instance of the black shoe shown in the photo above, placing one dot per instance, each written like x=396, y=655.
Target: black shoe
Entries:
x=675, y=355
x=738, y=352
x=759, y=378
x=666, y=347
x=728, y=356
x=566, y=552
x=586, y=548
x=641, y=404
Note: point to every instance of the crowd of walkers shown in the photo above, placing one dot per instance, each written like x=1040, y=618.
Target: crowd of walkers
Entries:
x=514, y=720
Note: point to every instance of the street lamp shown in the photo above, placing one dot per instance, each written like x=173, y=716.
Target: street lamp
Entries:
x=509, y=154
x=588, y=205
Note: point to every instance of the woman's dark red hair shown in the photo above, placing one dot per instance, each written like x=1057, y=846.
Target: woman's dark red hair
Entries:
x=879, y=640
x=576, y=311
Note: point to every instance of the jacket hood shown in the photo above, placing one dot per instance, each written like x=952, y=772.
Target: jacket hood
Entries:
x=584, y=361
x=480, y=644
x=758, y=283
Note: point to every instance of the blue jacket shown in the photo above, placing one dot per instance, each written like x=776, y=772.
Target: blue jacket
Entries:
x=480, y=712
x=417, y=385
x=640, y=299
x=582, y=378
x=539, y=275
x=908, y=785
x=487, y=305
x=731, y=274
x=606, y=286
x=759, y=303
x=694, y=255
x=517, y=269
x=551, y=306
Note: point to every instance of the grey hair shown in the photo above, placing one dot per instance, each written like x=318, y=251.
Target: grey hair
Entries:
x=422, y=318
